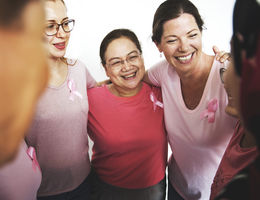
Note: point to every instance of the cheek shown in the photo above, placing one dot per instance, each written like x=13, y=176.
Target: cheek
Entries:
x=168, y=50
x=48, y=41
x=67, y=37
x=111, y=73
x=197, y=44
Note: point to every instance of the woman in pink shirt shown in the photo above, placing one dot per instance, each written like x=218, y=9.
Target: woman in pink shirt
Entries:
x=126, y=125
x=194, y=100
x=59, y=127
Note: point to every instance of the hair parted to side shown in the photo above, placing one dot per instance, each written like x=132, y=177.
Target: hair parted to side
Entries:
x=171, y=9
x=115, y=34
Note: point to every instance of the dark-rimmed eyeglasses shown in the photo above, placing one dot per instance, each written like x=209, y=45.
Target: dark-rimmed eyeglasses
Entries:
x=221, y=74
x=53, y=28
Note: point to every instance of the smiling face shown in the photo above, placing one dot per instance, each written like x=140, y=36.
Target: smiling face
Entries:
x=56, y=13
x=126, y=77
x=181, y=42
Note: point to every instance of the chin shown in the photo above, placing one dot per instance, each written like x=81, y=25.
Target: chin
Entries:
x=231, y=111
x=58, y=55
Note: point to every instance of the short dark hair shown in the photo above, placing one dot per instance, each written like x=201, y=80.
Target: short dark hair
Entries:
x=172, y=9
x=11, y=11
x=115, y=34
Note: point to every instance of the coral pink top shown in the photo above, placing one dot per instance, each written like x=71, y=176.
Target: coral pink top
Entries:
x=130, y=146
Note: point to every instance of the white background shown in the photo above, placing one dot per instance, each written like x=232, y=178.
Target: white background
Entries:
x=95, y=18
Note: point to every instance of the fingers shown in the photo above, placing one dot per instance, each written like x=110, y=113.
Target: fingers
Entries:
x=225, y=56
x=221, y=56
x=215, y=49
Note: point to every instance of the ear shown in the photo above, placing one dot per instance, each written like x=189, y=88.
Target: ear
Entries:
x=107, y=72
x=159, y=46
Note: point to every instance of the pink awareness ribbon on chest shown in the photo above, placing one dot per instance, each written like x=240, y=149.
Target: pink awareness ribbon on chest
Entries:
x=210, y=111
x=32, y=154
x=155, y=101
x=73, y=92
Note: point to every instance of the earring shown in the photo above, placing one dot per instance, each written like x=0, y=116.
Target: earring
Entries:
x=160, y=55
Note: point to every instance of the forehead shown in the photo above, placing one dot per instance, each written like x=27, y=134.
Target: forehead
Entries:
x=55, y=10
x=120, y=47
x=182, y=24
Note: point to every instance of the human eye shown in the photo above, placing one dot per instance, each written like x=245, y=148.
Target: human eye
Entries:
x=193, y=35
x=66, y=23
x=115, y=63
x=50, y=26
x=133, y=57
x=171, y=41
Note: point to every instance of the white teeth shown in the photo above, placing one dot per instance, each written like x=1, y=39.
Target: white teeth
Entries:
x=129, y=76
x=184, y=58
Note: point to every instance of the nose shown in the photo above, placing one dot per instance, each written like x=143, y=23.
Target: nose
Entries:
x=183, y=46
x=126, y=65
x=60, y=32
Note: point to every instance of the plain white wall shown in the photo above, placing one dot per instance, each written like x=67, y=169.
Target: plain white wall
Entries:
x=95, y=18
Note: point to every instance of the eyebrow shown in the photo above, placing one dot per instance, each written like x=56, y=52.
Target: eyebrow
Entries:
x=134, y=51
x=186, y=33
x=54, y=21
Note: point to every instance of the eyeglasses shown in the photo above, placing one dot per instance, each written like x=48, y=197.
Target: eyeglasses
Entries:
x=53, y=28
x=221, y=73
x=132, y=59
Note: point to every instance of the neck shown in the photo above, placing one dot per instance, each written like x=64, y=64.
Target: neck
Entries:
x=121, y=92
x=55, y=63
x=58, y=71
x=199, y=74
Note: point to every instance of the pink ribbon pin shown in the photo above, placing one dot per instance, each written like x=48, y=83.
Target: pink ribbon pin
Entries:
x=32, y=154
x=73, y=92
x=210, y=111
x=155, y=101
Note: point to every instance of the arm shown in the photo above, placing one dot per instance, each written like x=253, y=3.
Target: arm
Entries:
x=146, y=78
x=105, y=82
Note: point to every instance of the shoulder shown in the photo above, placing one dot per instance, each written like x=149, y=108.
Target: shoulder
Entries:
x=97, y=91
x=218, y=65
x=160, y=65
x=76, y=64
x=159, y=72
x=153, y=89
